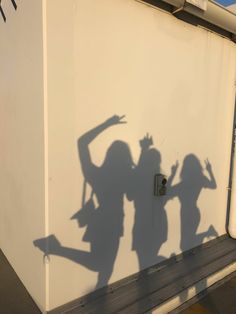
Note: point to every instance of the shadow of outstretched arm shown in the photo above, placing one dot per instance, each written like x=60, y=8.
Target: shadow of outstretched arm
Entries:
x=84, y=141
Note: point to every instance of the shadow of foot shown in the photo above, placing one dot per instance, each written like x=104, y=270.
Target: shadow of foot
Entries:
x=48, y=245
x=212, y=232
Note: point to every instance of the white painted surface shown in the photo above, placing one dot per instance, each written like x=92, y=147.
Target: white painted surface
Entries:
x=232, y=8
x=101, y=58
x=202, y=4
x=22, y=145
x=169, y=78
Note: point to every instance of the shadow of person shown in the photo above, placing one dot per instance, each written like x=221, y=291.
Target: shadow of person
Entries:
x=104, y=224
x=150, y=227
x=150, y=223
x=187, y=191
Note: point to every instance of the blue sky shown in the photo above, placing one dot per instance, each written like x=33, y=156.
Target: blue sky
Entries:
x=226, y=2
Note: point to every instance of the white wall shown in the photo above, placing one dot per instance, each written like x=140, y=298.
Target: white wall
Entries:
x=169, y=78
x=68, y=66
x=22, y=142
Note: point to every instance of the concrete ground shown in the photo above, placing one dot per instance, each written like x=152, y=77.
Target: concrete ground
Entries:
x=222, y=300
x=14, y=299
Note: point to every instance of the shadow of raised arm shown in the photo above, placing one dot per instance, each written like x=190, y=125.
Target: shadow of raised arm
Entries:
x=84, y=141
x=210, y=184
x=174, y=169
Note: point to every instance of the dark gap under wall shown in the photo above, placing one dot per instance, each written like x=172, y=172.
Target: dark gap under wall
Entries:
x=14, y=296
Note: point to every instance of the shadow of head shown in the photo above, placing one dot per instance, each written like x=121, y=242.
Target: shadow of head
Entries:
x=191, y=168
x=118, y=156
